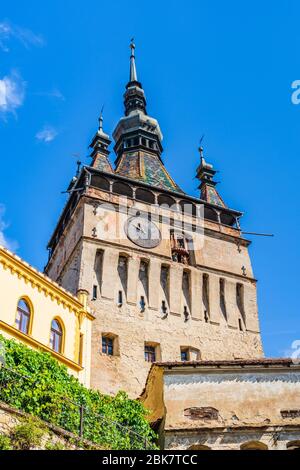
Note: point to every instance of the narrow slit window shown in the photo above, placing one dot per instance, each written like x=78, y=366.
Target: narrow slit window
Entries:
x=240, y=301
x=120, y=298
x=186, y=290
x=165, y=290
x=95, y=292
x=186, y=313
x=123, y=274
x=205, y=297
x=142, y=304
x=143, y=280
x=222, y=298
x=164, y=309
x=98, y=271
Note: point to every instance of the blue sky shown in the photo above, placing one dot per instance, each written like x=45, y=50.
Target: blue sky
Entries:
x=223, y=69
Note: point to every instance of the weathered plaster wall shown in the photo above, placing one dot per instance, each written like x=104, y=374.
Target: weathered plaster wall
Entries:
x=241, y=398
x=223, y=406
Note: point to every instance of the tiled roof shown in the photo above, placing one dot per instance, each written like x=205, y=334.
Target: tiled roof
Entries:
x=146, y=168
x=102, y=163
x=234, y=362
x=211, y=195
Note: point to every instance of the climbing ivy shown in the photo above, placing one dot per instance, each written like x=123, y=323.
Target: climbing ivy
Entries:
x=46, y=390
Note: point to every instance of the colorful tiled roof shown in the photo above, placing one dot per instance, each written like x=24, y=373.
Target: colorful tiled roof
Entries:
x=102, y=163
x=147, y=168
x=205, y=174
x=210, y=194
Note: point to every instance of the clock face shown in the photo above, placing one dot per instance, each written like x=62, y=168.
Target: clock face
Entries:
x=143, y=232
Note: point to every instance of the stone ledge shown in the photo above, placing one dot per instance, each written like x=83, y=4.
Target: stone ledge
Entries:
x=63, y=433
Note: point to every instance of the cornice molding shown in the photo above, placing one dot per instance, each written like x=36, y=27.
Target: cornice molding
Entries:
x=37, y=345
x=41, y=282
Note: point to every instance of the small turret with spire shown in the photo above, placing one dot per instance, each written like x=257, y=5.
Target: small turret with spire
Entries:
x=205, y=174
x=100, y=152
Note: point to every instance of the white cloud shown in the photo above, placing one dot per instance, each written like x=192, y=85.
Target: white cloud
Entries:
x=4, y=241
x=10, y=31
x=47, y=134
x=54, y=93
x=12, y=93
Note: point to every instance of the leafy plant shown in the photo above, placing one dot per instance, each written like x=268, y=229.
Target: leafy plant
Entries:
x=54, y=446
x=27, y=434
x=5, y=443
x=36, y=383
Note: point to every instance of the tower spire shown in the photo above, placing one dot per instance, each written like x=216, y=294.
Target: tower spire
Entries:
x=132, y=74
x=100, y=120
x=138, y=138
x=134, y=97
x=100, y=144
x=205, y=174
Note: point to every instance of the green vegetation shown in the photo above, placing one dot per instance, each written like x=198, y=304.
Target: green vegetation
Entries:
x=55, y=446
x=32, y=433
x=28, y=434
x=46, y=390
x=5, y=443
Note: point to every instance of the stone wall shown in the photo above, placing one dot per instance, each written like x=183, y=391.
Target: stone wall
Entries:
x=221, y=253
x=266, y=438
x=54, y=436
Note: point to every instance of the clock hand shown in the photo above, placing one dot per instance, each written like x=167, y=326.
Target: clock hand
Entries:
x=139, y=228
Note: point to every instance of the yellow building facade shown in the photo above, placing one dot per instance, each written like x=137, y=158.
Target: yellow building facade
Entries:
x=39, y=313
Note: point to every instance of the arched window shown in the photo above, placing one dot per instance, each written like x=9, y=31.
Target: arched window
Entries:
x=293, y=445
x=210, y=214
x=23, y=318
x=254, y=445
x=167, y=201
x=199, y=447
x=188, y=208
x=56, y=336
x=145, y=195
x=122, y=188
x=100, y=182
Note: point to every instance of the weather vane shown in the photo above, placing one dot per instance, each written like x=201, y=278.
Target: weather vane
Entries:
x=200, y=146
x=101, y=118
x=78, y=163
x=132, y=45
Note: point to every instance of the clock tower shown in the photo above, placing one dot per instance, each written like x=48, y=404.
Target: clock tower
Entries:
x=168, y=275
